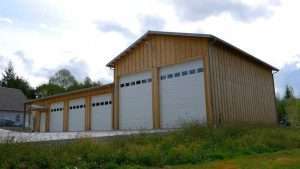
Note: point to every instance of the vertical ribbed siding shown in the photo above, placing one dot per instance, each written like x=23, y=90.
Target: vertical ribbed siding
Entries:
x=241, y=90
x=158, y=51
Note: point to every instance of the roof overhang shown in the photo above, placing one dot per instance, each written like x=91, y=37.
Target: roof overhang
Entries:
x=37, y=107
x=71, y=92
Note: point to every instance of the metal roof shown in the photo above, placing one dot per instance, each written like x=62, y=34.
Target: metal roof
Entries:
x=111, y=63
x=11, y=99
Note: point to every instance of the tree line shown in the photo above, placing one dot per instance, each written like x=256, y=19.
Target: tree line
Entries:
x=62, y=81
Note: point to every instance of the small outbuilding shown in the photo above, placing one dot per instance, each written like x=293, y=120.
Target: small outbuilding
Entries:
x=166, y=79
x=11, y=107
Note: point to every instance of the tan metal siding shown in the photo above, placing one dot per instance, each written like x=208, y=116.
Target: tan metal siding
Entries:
x=157, y=51
x=241, y=90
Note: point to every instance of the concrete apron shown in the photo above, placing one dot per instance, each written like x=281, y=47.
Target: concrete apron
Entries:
x=7, y=136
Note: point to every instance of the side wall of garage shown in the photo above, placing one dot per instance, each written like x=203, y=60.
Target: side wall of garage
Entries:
x=241, y=89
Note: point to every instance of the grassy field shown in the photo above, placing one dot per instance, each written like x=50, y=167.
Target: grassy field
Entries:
x=289, y=159
x=192, y=147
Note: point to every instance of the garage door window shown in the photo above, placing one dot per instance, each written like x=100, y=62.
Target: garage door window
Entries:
x=170, y=76
x=199, y=70
x=102, y=103
x=192, y=71
x=163, y=77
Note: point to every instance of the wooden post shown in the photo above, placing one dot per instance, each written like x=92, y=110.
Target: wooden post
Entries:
x=210, y=121
x=116, y=102
x=87, y=113
x=47, y=119
x=155, y=98
x=66, y=116
x=38, y=119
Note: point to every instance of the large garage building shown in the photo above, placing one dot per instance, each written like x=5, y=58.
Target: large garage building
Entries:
x=164, y=80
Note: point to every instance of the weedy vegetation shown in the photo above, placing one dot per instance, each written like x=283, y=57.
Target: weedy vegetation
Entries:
x=193, y=145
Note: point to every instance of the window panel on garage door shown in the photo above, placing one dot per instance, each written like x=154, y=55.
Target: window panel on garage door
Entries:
x=182, y=94
x=136, y=101
x=56, y=116
x=76, y=115
x=101, y=115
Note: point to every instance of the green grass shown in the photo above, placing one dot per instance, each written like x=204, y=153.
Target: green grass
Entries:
x=288, y=159
x=192, y=146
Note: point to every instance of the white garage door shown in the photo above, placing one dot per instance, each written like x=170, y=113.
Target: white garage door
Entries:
x=32, y=121
x=43, y=122
x=136, y=101
x=76, y=115
x=56, y=116
x=182, y=94
x=27, y=121
x=101, y=115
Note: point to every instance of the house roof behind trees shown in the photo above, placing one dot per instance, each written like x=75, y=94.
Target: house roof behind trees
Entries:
x=11, y=99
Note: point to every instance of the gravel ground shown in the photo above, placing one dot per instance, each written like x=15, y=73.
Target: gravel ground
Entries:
x=7, y=136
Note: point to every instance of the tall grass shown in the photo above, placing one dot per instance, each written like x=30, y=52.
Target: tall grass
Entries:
x=192, y=144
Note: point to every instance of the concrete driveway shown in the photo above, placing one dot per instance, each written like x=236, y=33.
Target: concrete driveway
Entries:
x=7, y=136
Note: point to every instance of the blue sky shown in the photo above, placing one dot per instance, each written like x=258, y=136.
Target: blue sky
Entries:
x=40, y=37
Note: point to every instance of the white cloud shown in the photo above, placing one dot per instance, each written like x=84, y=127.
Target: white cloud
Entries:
x=75, y=35
x=197, y=10
x=6, y=20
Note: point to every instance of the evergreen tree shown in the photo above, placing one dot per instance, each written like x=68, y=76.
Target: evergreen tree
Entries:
x=8, y=76
x=11, y=80
x=289, y=92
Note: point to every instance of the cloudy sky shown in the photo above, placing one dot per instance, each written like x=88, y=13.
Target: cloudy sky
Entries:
x=42, y=36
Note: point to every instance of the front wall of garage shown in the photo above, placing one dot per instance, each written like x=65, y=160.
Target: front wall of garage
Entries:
x=152, y=55
x=59, y=110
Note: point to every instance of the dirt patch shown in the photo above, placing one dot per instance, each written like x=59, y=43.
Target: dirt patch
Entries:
x=226, y=165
